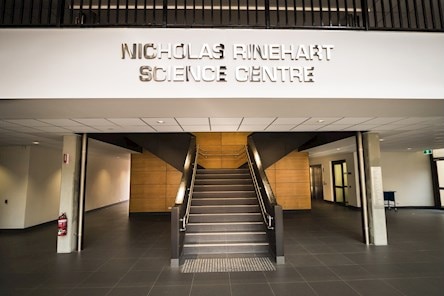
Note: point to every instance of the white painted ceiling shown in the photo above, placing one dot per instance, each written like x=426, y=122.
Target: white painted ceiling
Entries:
x=402, y=124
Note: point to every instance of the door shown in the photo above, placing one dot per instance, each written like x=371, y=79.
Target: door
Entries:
x=440, y=168
x=316, y=183
x=340, y=182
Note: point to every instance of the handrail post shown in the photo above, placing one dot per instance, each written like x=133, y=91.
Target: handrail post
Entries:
x=175, y=237
x=279, y=234
x=60, y=13
x=267, y=14
x=365, y=14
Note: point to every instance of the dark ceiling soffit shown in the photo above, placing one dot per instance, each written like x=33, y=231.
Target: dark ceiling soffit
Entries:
x=120, y=140
x=322, y=138
x=170, y=147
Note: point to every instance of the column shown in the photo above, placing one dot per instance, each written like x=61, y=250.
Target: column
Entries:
x=69, y=192
x=375, y=197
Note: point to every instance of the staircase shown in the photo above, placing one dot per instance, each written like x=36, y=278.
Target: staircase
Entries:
x=225, y=216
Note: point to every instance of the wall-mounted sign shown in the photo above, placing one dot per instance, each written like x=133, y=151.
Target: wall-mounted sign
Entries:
x=266, y=58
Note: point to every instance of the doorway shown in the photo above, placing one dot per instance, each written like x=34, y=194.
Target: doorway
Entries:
x=340, y=182
x=316, y=183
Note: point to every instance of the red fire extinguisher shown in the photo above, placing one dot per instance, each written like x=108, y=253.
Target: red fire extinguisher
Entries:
x=62, y=223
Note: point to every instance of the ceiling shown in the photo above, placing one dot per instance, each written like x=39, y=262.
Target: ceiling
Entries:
x=402, y=124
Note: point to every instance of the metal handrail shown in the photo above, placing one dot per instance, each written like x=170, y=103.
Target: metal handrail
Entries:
x=268, y=219
x=217, y=154
x=186, y=216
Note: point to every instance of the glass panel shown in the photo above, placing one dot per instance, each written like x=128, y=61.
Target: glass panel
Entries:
x=338, y=174
x=442, y=197
x=440, y=167
x=344, y=169
x=339, y=194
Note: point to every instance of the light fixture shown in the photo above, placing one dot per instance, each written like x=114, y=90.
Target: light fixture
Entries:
x=381, y=140
x=35, y=142
x=321, y=120
x=409, y=148
x=160, y=121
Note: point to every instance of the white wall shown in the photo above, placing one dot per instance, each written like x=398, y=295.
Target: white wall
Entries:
x=108, y=175
x=325, y=161
x=14, y=165
x=30, y=181
x=43, y=196
x=409, y=174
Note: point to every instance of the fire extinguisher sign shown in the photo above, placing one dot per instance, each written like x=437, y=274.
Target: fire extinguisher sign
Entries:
x=62, y=224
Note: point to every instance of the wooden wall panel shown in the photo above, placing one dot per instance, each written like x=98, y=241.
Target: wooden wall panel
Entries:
x=220, y=145
x=290, y=180
x=154, y=184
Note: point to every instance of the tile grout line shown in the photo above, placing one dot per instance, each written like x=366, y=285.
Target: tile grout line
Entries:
x=157, y=278
x=85, y=279
x=120, y=279
x=341, y=278
x=268, y=283
x=192, y=283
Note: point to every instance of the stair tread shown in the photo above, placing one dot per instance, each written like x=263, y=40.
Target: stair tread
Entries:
x=227, y=244
x=225, y=223
x=226, y=233
x=223, y=206
x=220, y=214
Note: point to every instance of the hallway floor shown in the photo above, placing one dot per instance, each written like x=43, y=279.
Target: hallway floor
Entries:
x=323, y=250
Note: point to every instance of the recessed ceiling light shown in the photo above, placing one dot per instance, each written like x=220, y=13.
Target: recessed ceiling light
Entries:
x=321, y=120
x=381, y=140
x=36, y=142
x=338, y=149
x=409, y=148
x=160, y=121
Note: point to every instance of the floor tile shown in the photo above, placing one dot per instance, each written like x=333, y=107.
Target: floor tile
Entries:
x=283, y=275
x=129, y=291
x=251, y=290
x=292, y=289
x=170, y=276
x=211, y=290
x=418, y=286
x=374, y=288
x=102, y=279
x=303, y=260
x=317, y=273
x=88, y=292
x=333, y=288
x=170, y=291
x=49, y=292
x=138, y=278
x=253, y=277
x=334, y=259
x=213, y=278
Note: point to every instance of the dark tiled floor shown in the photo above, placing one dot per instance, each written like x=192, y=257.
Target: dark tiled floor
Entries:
x=324, y=255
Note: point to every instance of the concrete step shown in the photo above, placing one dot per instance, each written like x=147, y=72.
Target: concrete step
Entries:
x=225, y=237
x=227, y=194
x=226, y=217
x=225, y=226
x=239, y=208
x=227, y=248
x=226, y=181
x=224, y=187
x=224, y=201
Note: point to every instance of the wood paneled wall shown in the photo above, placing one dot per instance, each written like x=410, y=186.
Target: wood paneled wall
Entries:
x=154, y=184
x=220, y=146
x=290, y=180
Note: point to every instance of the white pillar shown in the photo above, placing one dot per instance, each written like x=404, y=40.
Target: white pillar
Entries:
x=69, y=192
x=375, y=197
